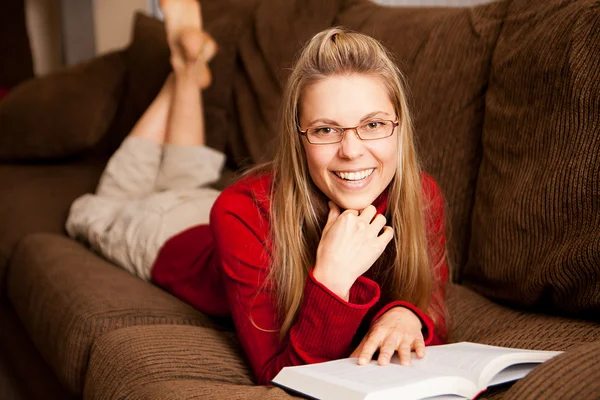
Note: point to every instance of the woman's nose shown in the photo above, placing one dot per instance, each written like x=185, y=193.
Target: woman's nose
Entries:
x=351, y=145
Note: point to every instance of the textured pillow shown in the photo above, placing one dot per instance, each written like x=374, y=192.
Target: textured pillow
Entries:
x=536, y=222
x=61, y=114
x=445, y=54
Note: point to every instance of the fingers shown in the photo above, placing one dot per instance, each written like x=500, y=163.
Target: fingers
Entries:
x=369, y=348
x=386, y=235
x=368, y=213
x=419, y=347
x=334, y=213
x=404, y=352
x=387, y=350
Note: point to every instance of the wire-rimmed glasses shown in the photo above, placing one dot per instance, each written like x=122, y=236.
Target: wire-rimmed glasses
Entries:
x=370, y=130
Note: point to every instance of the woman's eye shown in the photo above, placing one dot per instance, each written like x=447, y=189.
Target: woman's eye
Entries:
x=324, y=130
x=373, y=125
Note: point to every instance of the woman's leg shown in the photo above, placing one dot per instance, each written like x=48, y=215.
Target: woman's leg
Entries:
x=187, y=163
x=131, y=172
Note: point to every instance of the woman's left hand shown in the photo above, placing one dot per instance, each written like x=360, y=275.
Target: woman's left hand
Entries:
x=398, y=329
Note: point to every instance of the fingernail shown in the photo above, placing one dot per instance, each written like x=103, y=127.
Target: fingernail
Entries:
x=362, y=361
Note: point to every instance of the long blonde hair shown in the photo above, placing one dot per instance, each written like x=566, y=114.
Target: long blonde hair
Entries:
x=299, y=209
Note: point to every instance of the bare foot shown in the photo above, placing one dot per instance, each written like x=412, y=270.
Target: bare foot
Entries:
x=190, y=46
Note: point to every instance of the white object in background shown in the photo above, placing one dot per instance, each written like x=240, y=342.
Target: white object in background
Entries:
x=44, y=30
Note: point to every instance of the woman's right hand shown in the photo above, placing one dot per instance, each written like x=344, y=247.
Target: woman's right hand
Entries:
x=350, y=244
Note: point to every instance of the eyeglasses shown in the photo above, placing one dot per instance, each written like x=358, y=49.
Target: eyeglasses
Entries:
x=370, y=130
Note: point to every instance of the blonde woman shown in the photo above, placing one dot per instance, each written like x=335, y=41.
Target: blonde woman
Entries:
x=334, y=249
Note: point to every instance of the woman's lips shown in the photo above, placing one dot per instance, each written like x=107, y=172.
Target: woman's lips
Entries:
x=357, y=179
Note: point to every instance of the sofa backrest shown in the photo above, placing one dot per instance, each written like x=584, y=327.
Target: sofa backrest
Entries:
x=536, y=222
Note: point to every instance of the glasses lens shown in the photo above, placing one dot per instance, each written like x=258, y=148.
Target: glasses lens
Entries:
x=375, y=129
x=324, y=134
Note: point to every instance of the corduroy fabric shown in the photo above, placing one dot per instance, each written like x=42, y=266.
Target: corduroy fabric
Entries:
x=186, y=389
x=37, y=199
x=62, y=114
x=572, y=375
x=266, y=49
x=445, y=55
x=536, y=235
x=475, y=318
x=124, y=362
x=67, y=297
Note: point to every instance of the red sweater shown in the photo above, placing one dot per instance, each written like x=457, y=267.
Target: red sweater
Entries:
x=221, y=269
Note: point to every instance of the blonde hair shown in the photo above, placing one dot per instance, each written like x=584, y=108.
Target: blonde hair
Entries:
x=299, y=209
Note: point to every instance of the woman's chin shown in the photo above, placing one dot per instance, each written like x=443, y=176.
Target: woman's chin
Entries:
x=354, y=204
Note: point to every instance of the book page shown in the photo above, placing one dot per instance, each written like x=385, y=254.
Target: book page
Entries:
x=480, y=363
x=345, y=379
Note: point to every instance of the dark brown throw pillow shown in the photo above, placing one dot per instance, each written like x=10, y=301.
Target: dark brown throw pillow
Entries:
x=62, y=114
x=536, y=222
x=445, y=54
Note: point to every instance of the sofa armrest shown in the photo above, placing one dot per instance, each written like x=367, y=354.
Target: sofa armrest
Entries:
x=62, y=114
x=142, y=361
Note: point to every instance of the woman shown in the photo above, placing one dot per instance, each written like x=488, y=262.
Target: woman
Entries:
x=334, y=249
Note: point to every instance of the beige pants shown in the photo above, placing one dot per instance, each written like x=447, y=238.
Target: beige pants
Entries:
x=147, y=194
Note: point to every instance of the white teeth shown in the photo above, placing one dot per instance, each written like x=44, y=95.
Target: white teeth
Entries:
x=355, y=176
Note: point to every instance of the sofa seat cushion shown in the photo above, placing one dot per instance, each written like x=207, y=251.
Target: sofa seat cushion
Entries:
x=475, y=318
x=137, y=363
x=536, y=240
x=67, y=297
x=36, y=198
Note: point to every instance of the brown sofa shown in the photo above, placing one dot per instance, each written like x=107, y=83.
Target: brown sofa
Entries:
x=507, y=112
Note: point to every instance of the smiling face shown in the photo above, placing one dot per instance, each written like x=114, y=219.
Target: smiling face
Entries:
x=352, y=173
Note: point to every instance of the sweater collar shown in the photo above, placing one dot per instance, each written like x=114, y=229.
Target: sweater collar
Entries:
x=381, y=202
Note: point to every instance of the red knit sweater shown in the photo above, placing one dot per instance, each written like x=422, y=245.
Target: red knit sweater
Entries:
x=221, y=270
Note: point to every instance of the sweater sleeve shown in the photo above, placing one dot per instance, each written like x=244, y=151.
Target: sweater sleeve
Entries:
x=325, y=324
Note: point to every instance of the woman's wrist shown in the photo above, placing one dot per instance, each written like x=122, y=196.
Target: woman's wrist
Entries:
x=333, y=282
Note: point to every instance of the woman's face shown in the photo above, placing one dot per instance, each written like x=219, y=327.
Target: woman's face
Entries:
x=353, y=172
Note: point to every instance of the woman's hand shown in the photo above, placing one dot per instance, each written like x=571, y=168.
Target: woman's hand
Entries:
x=351, y=242
x=399, y=329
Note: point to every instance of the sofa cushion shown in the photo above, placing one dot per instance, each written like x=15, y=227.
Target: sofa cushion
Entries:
x=445, y=54
x=572, y=375
x=128, y=362
x=474, y=318
x=37, y=198
x=536, y=240
x=67, y=297
x=61, y=114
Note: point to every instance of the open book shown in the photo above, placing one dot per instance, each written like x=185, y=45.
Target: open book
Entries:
x=449, y=371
